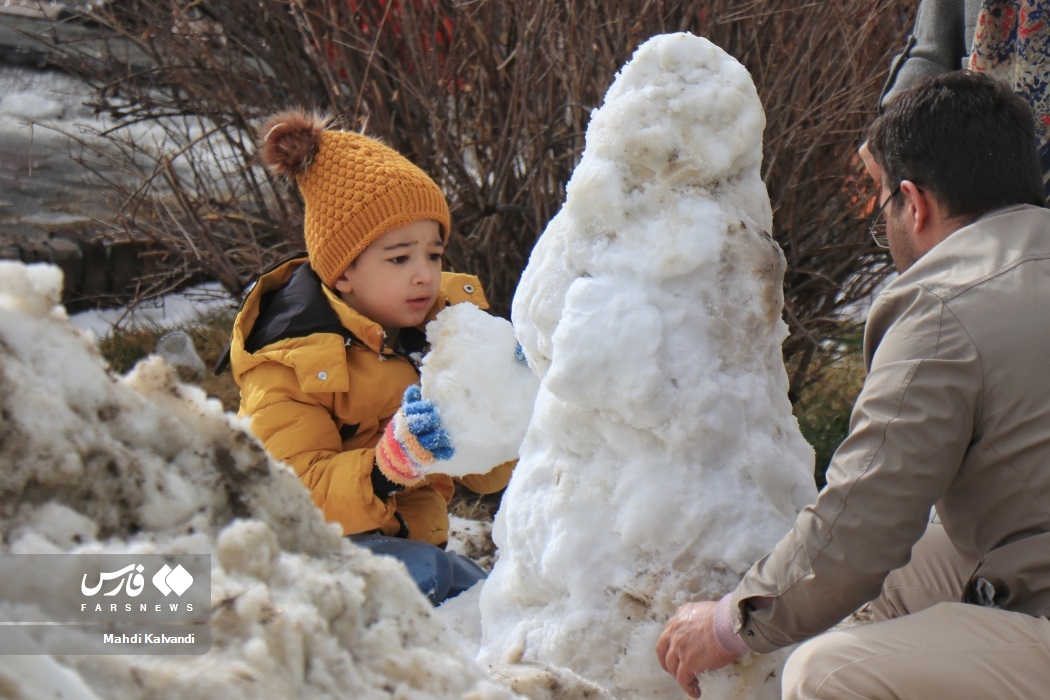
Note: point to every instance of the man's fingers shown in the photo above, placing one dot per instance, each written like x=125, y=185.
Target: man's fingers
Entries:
x=689, y=683
x=687, y=647
x=662, y=645
x=664, y=650
x=671, y=664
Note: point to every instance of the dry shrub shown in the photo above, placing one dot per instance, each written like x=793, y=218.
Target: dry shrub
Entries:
x=123, y=348
x=492, y=98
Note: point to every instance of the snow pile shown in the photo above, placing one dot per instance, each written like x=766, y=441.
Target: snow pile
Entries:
x=662, y=458
x=484, y=395
x=144, y=464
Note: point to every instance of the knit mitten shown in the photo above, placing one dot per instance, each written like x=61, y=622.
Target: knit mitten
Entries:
x=414, y=439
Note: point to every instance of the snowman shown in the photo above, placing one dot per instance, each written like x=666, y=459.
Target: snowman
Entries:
x=658, y=454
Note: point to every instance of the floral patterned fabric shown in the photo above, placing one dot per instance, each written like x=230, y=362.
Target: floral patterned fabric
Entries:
x=1012, y=43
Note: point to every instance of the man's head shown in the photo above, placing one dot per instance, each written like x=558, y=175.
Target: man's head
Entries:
x=963, y=137
x=354, y=188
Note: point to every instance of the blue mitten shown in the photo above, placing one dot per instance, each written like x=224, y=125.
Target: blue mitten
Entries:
x=414, y=439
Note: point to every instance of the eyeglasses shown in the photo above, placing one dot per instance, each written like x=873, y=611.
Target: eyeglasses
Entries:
x=877, y=227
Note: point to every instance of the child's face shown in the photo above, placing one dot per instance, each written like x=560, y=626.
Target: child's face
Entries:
x=396, y=280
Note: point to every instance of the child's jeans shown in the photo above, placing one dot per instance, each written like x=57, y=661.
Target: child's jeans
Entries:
x=440, y=575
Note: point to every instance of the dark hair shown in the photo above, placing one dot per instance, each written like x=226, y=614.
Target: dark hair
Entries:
x=965, y=137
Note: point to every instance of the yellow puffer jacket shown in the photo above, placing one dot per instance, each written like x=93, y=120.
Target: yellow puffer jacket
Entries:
x=320, y=386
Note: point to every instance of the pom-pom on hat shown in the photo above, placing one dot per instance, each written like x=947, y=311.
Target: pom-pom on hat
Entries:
x=354, y=188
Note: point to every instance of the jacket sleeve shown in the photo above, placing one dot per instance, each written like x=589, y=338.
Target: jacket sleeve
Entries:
x=493, y=481
x=936, y=45
x=908, y=435
x=297, y=428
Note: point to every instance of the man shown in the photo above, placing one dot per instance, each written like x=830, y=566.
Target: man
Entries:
x=955, y=412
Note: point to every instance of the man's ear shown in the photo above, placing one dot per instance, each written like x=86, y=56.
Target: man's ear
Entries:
x=917, y=206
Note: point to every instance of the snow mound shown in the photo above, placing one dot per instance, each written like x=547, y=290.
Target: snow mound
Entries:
x=662, y=458
x=144, y=464
x=548, y=683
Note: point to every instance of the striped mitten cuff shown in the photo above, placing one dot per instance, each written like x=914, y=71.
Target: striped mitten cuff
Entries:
x=413, y=440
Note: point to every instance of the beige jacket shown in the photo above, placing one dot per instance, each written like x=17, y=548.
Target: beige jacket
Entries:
x=955, y=412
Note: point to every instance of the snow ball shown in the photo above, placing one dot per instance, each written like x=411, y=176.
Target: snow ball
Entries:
x=483, y=393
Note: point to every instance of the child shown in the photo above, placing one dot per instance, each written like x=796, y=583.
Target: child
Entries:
x=325, y=347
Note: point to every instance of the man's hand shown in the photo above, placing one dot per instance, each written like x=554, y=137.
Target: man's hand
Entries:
x=687, y=647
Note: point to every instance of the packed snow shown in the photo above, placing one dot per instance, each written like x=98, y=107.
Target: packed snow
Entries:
x=661, y=458
x=658, y=456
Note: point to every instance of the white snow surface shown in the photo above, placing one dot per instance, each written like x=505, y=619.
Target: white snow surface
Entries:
x=144, y=464
x=180, y=308
x=662, y=458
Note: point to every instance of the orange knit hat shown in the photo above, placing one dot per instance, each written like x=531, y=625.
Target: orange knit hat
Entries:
x=354, y=188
